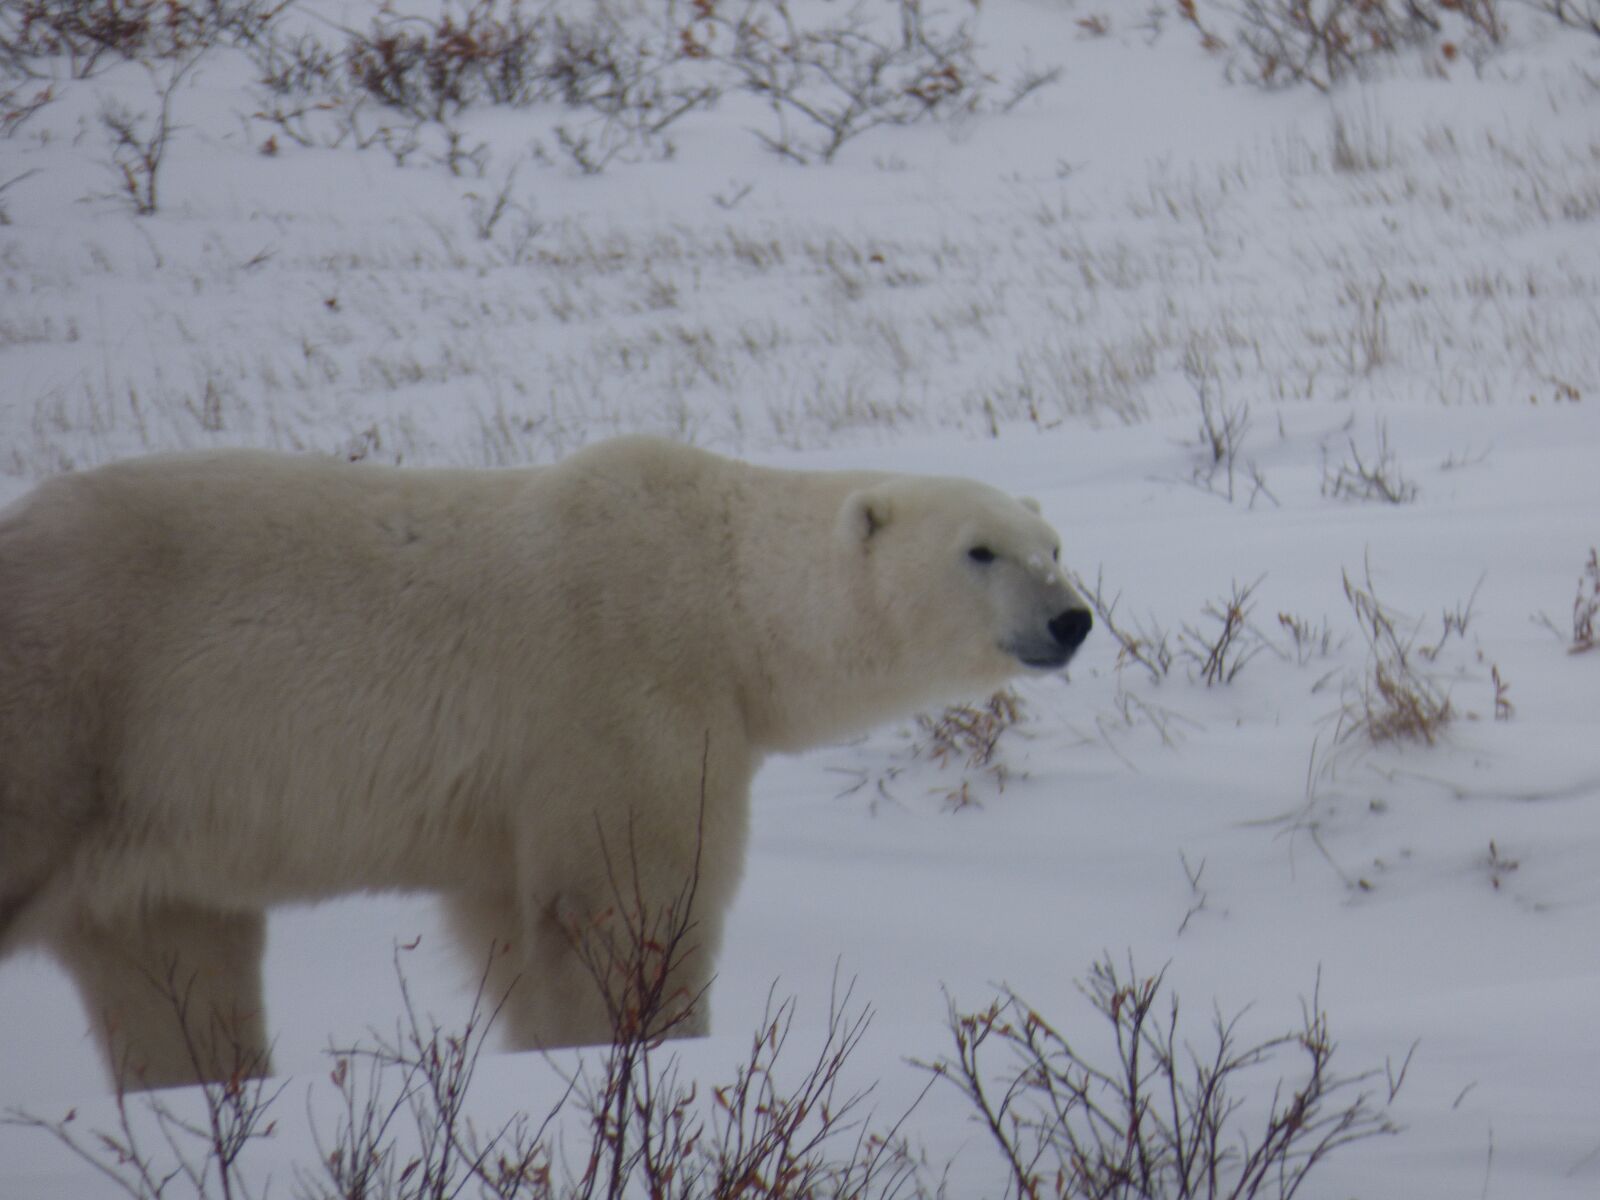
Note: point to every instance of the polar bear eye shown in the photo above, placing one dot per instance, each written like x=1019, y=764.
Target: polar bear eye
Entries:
x=981, y=554
x=1055, y=555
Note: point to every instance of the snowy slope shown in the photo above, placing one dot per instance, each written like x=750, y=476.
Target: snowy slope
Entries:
x=1408, y=264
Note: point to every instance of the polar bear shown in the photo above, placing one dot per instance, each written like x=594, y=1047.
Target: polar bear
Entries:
x=236, y=679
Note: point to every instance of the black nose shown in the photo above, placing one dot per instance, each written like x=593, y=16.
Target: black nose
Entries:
x=1071, y=627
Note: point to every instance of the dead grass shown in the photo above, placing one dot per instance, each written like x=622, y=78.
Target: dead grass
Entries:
x=1144, y=643
x=1585, y=609
x=1394, y=700
x=1585, y=606
x=1374, y=475
x=1307, y=639
x=968, y=737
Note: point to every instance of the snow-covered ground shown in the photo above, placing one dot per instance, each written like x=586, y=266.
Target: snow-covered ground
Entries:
x=1404, y=269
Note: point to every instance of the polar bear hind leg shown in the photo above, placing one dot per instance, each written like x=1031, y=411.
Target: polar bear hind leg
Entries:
x=174, y=994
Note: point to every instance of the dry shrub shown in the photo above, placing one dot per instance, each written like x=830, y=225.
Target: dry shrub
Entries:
x=495, y=52
x=434, y=69
x=1162, y=1119
x=159, y=1145
x=768, y=1141
x=1578, y=14
x=139, y=141
x=1323, y=42
x=1221, y=654
x=628, y=73
x=92, y=34
x=825, y=78
x=829, y=83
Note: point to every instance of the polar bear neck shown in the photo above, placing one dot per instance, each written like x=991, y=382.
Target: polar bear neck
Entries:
x=823, y=663
x=753, y=592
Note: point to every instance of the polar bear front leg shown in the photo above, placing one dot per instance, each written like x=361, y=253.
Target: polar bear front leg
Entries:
x=574, y=969
x=623, y=888
x=488, y=930
x=544, y=995
x=624, y=964
x=174, y=993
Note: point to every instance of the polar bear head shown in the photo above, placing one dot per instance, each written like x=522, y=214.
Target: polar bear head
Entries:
x=965, y=575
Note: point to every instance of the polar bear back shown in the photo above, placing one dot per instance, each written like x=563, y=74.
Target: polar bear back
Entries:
x=421, y=639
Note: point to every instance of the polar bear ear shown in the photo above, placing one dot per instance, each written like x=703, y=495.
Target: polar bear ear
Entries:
x=1032, y=505
x=865, y=512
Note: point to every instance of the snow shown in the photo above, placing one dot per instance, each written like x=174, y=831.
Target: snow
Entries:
x=1032, y=299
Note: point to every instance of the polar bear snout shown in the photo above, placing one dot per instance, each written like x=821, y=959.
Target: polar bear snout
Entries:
x=1052, y=651
x=1069, y=628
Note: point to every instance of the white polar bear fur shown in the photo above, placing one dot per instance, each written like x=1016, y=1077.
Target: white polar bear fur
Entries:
x=232, y=680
